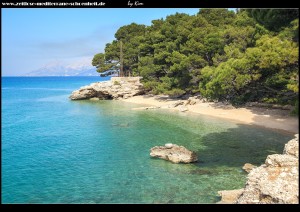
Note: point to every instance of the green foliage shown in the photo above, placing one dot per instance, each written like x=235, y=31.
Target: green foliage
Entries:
x=165, y=85
x=101, y=64
x=293, y=83
x=130, y=36
x=296, y=109
x=98, y=60
x=269, y=66
x=217, y=17
x=150, y=85
x=251, y=55
x=291, y=32
x=270, y=100
x=274, y=19
x=175, y=92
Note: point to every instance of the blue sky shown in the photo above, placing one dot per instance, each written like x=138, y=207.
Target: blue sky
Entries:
x=34, y=37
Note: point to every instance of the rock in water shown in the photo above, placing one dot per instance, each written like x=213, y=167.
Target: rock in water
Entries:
x=169, y=145
x=116, y=88
x=248, y=167
x=174, y=153
x=83, y=93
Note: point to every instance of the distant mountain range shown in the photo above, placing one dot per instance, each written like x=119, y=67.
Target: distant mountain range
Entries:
x=78, y=68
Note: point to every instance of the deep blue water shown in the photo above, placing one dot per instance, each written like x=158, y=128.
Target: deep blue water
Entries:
x=59, y=151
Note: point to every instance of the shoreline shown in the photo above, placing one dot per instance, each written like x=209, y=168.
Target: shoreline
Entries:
x=273, y=119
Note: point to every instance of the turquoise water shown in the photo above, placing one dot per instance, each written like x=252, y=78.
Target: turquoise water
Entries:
x=59, y=151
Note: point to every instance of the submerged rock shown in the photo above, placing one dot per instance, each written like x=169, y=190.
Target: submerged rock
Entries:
x=116, y=88
x=174, y=153
x=121, y=125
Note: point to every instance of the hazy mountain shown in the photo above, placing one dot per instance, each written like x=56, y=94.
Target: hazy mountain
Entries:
x=80, y=67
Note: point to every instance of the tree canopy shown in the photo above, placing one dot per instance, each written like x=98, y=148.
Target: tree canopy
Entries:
x=248, y=55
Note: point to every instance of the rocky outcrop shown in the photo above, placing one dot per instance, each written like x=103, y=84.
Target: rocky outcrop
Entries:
x=177, y=103
x=183, y=103
x=248, y=167
x=192, y=100
x=173, y=153
x=276, y=181
x=116, y=88
x=228, y=197
x=292, y=147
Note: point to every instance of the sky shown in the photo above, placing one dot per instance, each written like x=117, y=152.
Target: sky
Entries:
x=36, y=37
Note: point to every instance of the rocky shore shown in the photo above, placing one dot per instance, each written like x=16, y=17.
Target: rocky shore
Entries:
x=116, y=88
x=276, y=181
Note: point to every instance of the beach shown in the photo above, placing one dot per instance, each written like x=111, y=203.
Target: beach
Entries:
x=276, y=119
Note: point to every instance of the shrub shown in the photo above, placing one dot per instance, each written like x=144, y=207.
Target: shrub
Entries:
x=150, y=85
x=175, y=92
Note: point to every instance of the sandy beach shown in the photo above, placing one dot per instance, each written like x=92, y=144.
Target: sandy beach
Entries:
x=270, y=118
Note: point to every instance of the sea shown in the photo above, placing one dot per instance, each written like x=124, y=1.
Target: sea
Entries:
x=55, y=150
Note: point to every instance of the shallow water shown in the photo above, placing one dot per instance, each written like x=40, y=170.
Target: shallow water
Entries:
x=59, y=151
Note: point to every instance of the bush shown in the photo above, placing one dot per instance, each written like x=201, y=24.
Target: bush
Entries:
x=270, y=100
x=175, y=92
x=150, y=85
